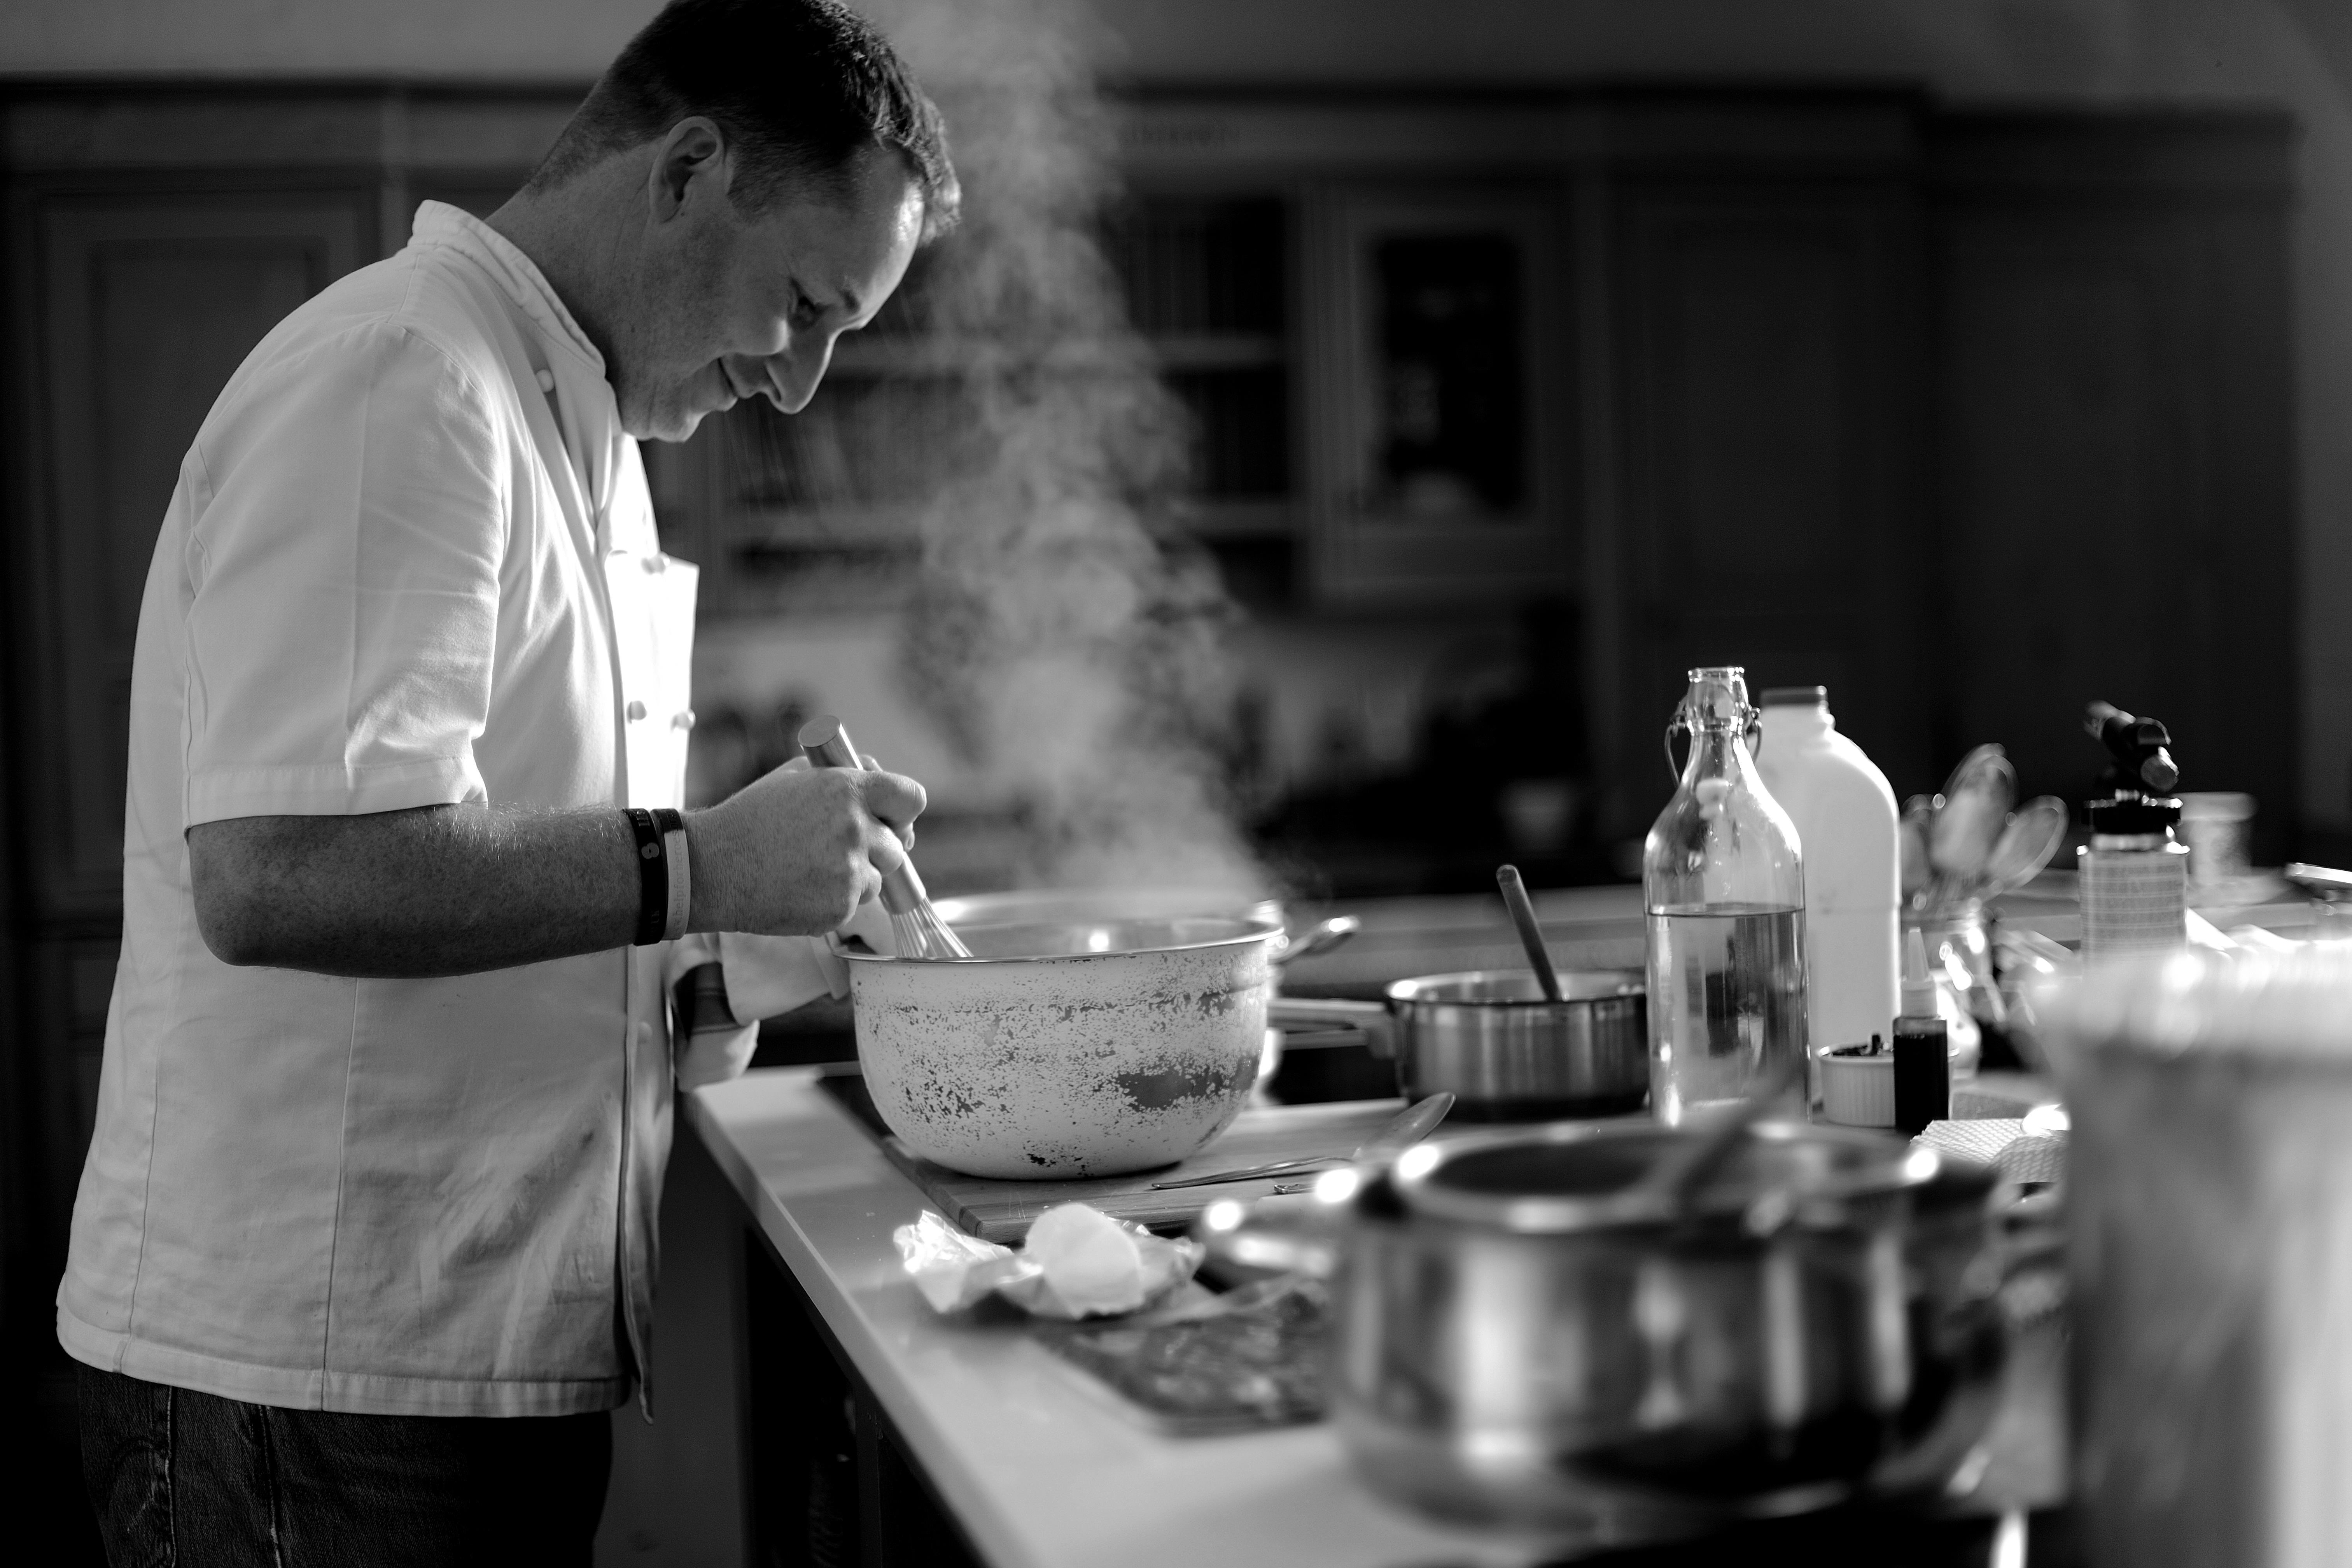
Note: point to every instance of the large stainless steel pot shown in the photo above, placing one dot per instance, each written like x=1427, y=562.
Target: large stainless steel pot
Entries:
x=1519, y=1338
x=1491, y=1039
x=1080, y=1039
x=1522, y=1337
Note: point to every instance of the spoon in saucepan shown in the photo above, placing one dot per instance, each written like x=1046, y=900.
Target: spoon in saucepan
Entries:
x=1523, y=915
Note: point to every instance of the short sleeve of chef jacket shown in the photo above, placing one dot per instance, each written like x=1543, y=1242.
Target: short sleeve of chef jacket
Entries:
x=344, y=572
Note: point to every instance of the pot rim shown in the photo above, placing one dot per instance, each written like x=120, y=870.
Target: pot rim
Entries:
x=1627, y=983
x=1899, y=1168
x=1256, y=930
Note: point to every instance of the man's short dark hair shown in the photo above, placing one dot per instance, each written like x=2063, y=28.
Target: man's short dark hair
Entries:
x=800, y=87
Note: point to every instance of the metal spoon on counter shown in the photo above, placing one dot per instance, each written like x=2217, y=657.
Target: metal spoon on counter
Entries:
x=1409, y=1127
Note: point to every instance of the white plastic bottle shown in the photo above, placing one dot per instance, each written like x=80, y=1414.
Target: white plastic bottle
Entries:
x=1846, y=826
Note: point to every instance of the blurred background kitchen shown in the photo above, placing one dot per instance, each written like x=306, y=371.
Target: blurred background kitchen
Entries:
x=1336, y=428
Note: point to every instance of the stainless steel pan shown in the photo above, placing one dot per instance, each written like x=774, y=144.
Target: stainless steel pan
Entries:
x=1523, y=1333
x=1491, y=1039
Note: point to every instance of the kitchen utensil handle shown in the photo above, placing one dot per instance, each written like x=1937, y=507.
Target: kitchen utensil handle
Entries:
x=2318, y=878
x=824, y=741
x=1378, y=1023
x=1531, y=937
x=1678, y=1178
x=1418, y=1121
x=1251, y=1173
x=1320, y=940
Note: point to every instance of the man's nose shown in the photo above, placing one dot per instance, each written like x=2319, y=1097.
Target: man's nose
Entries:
x=796, y=371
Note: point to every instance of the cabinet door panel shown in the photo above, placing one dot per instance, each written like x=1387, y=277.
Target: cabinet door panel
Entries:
x=147, y=306
x=1769, y=440
x=2114, y=472
x=1440, y=455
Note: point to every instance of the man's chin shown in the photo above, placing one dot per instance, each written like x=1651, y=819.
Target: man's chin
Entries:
x=662, y=424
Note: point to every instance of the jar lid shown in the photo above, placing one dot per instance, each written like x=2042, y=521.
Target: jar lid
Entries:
x=1565, y=1179
x=1796, y=696
x=2133, y=814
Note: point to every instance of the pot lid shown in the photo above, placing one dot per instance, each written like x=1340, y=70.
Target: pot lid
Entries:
x=1574, y=1178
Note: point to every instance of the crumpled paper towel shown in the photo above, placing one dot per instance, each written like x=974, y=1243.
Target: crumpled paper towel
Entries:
x=1078, y=1262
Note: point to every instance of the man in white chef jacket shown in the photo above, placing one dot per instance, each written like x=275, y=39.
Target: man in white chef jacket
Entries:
x=363, y=1249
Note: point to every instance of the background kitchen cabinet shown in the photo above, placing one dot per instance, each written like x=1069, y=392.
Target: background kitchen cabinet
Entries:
x=1441, y=453
x=136, y=303
x=1768, y=429
x=153, y=234
x=2115, y=500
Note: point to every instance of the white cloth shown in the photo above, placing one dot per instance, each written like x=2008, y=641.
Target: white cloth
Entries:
x=395, y=573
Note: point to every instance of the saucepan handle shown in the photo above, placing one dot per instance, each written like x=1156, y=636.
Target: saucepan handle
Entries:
x=1318, y=940
x=1374, y=1019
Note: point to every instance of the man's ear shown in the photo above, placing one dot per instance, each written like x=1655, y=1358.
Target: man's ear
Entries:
x=692, y=153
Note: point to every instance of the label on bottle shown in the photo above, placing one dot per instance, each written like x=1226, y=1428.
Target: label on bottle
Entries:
x=2133, y=900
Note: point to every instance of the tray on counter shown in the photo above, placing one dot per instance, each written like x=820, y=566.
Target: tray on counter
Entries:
x=998, y=1210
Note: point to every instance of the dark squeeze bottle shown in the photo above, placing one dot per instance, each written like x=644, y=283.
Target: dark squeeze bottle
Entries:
x=1923, y=1057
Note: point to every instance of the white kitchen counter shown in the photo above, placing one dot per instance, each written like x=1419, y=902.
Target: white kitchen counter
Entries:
x=1042, y=1467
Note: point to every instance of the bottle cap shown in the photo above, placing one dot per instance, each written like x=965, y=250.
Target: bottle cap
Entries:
x=1918, y=985
x=2133, y=814
x=1796, y=696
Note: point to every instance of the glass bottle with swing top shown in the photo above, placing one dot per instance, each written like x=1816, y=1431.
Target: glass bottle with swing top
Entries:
x=1723, y=887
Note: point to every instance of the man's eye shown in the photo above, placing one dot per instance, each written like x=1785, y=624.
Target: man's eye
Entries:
x=805, y=311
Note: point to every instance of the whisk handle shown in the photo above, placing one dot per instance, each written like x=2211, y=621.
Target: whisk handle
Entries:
x=824, y=741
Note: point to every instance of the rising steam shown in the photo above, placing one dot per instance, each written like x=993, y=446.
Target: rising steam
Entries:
x=1056, y=642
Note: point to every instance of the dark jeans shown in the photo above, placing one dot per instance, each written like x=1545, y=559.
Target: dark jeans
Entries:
x=190, y=1481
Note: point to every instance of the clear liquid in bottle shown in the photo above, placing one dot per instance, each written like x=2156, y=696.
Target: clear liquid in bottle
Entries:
x=1725, y=893
x=1727, y=1002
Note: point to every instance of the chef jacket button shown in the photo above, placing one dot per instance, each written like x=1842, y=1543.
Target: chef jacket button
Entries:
x=645, y=1034
x=636, y=711
x=682, y=719
x=546, y=380
x=656, y=561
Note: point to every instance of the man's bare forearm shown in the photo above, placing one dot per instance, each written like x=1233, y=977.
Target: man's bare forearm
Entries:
x=457, y=890
x=440, y=890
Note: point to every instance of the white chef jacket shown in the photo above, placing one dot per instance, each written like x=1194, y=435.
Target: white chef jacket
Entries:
x=410, y=561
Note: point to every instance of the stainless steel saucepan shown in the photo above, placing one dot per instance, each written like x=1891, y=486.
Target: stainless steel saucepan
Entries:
x=1527, y=1332
x=1491, y=1039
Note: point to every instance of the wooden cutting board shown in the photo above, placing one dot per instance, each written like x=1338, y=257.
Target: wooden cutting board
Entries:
x=997, y=1210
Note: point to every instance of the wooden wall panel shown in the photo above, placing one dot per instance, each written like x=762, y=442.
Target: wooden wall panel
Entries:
x=134, y=300
x=1770, y=390
x=2116, y=500
x=149, y=304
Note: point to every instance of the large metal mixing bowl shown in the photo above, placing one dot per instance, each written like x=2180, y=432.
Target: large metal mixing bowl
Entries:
x=1081, y=1039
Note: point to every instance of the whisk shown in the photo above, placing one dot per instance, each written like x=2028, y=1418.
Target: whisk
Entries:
x=916, y=928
